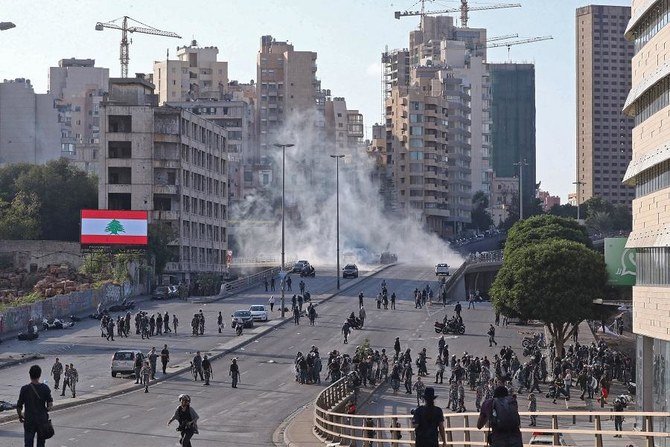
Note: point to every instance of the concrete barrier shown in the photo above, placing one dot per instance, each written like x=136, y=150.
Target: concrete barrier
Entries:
x=62, y=306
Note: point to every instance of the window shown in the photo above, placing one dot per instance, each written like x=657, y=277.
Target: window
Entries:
x=415, y=118
x=416, y=155
x=119, y=123
x=119, y=149
x=118, y=176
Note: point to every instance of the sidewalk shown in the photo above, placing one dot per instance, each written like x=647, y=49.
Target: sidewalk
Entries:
x=215, y=352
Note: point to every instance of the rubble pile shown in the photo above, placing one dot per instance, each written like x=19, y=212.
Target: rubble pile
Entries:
x=53, y=280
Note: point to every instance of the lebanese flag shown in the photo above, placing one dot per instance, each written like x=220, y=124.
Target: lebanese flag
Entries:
x=113, y=227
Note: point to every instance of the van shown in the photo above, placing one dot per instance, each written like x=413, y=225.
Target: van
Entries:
x=123, y=361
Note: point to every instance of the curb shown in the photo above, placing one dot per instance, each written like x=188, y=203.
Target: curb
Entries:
x=27, y=358
x=251, y=339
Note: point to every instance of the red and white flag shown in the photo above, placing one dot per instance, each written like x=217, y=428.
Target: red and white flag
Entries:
x=114, y=227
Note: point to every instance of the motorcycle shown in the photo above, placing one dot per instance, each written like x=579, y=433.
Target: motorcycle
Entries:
x=56, y=323
x=534, y=340
x=29, y=335
x=450, y=326
x=122, y=307
x=355, y=323
x=238, y=329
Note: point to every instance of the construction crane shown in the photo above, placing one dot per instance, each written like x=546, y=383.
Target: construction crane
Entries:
x=518, y=42
x=125, y=29
x=464, y=10
x=504, y=37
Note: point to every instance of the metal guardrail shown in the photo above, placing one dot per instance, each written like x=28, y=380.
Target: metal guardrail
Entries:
x=486, y=256
x=333, y=425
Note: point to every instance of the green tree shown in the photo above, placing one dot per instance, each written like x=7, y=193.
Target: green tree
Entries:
x=553, y=281
x=480, y=218
x=63, y=191
x=600, y=222
x=543, y=228
x=160, y=235
x=565, y=210
x=19, y=219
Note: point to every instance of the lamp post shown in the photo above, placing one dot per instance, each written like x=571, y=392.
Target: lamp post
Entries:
x=579, y=187
x=283, y=166
x=337, y=207
x=521, y=165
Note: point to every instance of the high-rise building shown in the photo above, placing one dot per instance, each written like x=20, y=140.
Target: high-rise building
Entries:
x=648, y=102
x=604, y=132
x=513, y=124
x=29, y=128
x=343, y=127
x=79, y=87
x=195, y=74
x=171, y=162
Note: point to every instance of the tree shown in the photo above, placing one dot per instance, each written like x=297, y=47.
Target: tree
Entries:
x=599, y=222
x=479, y=217
x=566, y=210
x=19, y=219
x=543, y=228
x=554, y=281
x=532, y=207
x=160, y=235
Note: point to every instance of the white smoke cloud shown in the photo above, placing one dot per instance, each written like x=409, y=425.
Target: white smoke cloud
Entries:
x=366, y=229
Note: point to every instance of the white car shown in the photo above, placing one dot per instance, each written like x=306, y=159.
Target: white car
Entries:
x=123, y=362
x=258, y=312
x=442, y=269
x=546, y=439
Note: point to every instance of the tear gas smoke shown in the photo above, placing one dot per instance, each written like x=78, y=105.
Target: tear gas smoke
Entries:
x=366, y=229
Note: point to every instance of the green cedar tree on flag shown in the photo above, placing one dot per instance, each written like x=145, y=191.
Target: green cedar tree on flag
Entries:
x=114, y=227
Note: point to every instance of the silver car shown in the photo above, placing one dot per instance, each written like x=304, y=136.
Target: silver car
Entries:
x=123, y=361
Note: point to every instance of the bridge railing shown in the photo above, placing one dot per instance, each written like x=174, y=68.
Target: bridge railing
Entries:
x=486, y=256
x=333, y=425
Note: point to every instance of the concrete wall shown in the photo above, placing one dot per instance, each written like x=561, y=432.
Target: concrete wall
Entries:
x=42, y=253
x=16, y=319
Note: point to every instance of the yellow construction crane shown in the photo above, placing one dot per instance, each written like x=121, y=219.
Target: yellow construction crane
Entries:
x=518, y=42
x=464, y=10
x=125, y=29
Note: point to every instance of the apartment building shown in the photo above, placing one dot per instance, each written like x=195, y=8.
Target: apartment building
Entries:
x=78, y=87
x=171, y=162
x=344, y=128
x=428, y=148
x=648, y=103
x=29, y=128
x=195, y=74
x=513, y=124
x=604, y=132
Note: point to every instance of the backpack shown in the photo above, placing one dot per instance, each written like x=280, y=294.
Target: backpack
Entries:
x=505, y=415
x=425, y=426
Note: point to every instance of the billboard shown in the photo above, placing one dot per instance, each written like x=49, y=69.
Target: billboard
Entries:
x=620, y=262
x=114, y=227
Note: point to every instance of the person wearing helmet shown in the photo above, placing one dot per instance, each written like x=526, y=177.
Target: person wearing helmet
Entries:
x=187, y=418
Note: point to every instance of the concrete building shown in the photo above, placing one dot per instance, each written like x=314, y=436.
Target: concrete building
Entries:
x=513, y=124
x=343, y=127
x=79, y=87
x=547, y=200
x=503, y=191
x=29, y=128
x=171, y=162
x=195, y=74
x=604, y=132
x=648, y=102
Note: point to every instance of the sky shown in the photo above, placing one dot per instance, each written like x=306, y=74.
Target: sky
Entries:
x=348, y=35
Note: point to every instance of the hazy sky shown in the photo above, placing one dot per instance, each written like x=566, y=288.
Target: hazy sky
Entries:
x=348, y=35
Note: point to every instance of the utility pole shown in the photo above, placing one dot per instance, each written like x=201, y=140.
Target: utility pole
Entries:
x=337, y=183
x=521, y=165
x=283, y=195
x=579, y=187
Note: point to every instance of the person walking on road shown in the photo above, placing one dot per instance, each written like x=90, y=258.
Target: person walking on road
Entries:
x=166, y=322
x=471, y=302
x=165, y=357
x=289, y=281
x=492, y=336
x=72, y=380
x=502, y=415
x=219, y=322
x=153, y=356
x=207, y=369
x=137, y=367
x=428, y=422
x=393, y=301
x=346, y=329
x=271, y=302
x=265, y=283
x=35, y=398
x=197, y=366
x=56, y=372
x=187, y=419
x=175, y=323
x=110, y=329
x=234, y=372
x=361, y=315
x=145, y=373
x=272, y=284
x=458, y=308
x=360, y=300
x=66, y=377
x=296, y=315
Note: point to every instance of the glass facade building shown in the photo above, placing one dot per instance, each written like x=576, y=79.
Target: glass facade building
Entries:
x=513, y=123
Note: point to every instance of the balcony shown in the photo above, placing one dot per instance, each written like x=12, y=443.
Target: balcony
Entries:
x=166, y=189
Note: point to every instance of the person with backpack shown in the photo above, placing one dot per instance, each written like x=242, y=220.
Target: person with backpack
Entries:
x=33, y=408
x=501, y=412
x=428, y=421
x=187, y=418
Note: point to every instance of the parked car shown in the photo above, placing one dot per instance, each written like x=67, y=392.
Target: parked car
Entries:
x=242, y=317
x=123, y=361
x=546, y=439
x=298, y=266
x=350, y=271
x=7, y=406
x=388, y=258
x=307, y=270
x=442, y=269
x=258, y=312
x=161, y=293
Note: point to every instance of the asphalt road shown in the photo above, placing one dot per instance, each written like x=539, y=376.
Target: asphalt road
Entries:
x=268, y=392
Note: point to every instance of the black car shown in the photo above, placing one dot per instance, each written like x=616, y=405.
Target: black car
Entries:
x=308, y=270
x=350, y=271
x=161, y=293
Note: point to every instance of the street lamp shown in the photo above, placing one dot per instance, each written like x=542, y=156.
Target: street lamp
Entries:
x=521, y=165
x=337, y=207
x=283, y=166
x=6, y=25
x=579, y=187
